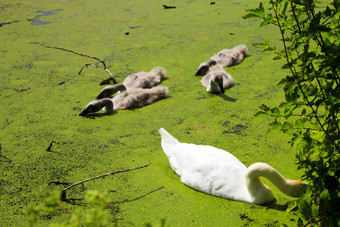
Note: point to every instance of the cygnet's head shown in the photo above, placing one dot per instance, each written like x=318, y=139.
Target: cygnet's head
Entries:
x=203, y=68
x=95, y=106
x=110, y=90
x=241, y=49
x=218, y=80
x=159, y=71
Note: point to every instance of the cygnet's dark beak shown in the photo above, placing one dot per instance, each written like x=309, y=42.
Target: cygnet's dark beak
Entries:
x=221, y=88
x=199, y=72
x=202, y=70
x=100, y=96
x=84, y=112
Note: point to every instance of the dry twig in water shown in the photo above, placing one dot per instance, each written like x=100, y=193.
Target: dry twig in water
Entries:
x=83, y=55
x=100, y=176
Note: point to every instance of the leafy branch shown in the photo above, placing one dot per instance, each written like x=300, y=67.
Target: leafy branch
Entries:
x=98, y=209
x=98, y=212
x=310, y=35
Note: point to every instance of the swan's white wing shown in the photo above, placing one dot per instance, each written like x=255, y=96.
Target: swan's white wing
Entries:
x=210, y=170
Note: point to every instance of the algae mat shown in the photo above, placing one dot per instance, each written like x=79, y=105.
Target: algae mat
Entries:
x=42, y=95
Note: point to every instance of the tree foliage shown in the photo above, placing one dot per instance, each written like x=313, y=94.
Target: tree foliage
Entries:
x=310, y=32
x=99, y=211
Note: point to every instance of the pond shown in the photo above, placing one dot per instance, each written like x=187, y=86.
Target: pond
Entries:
x=42, y=95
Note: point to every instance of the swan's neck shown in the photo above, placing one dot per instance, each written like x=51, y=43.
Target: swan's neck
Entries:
x=255, y=186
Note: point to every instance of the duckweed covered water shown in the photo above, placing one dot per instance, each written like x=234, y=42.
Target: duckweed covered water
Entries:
x=42, y=95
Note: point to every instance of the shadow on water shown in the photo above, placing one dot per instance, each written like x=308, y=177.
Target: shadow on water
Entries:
x=227, y=98
x=274, y=206
x=76, y=202
x=140, y=197
x=54, y=151
x=5, y=23
x=94, y=115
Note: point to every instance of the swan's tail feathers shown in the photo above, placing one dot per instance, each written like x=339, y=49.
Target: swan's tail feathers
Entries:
x=168, y=141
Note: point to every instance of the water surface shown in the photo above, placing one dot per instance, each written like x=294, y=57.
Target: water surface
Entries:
x=42, y=95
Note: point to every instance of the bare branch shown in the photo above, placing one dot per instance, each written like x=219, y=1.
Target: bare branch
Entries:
x=83, y=55
x=101, y=176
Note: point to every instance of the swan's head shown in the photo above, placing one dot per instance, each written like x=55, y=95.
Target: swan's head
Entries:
x=296, y=188
x=293, y=188
x=96, y=105
x=204, y=67
x=110, y=90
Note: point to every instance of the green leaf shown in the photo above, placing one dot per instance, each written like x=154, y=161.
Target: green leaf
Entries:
x=284, y=9
x=275, y=126
x=324, y=195
x=268, y=20
x=261, y=114
x=283, y=81
x=285, y=66
x=264, y=107
x=275, y=112
x=299, y=123
x=291, y=206
x=255, y=13
x=314, y=210
x=328, y=12
x=278, y=57
x=265, y=46
x=305, y=209
x=287, y=126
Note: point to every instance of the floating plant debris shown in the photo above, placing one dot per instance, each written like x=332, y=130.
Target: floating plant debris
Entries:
x=169, y=7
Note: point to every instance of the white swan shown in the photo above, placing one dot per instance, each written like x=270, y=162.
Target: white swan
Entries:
x=217, y=80
x=216, y=172
x=225, y=57
x=132, y=98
